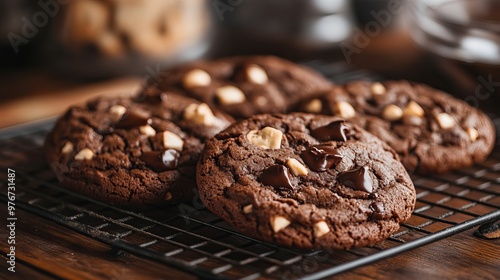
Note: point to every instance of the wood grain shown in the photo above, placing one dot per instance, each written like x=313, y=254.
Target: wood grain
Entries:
x=66, y=254
x=462, y=256
x=23, y=271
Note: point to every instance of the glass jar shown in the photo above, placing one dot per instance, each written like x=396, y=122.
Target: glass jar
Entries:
x=102, y=38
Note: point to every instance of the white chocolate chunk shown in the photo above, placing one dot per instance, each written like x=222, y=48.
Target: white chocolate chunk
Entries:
x=172, y=141
x=320, y=229
x=473, y=133
x=314, y=106
x=392, y=113
x=445, y=121
x=248, y=209
x=256, y=74
x=117, y=111
x=196, y=78
x=345, y=110
x=377, y=88
x=84, y=154
x=266, y=138
x=413, y=109
x=279, y=222
x=147, y=130
x=67, y=148
x=297, y=168
x=228, y=95
x=200, y=114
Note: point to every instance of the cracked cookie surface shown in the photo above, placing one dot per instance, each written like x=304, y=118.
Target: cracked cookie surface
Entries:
x=306, y=181
x=132, y=151
x=243, y=86
x=429, y=129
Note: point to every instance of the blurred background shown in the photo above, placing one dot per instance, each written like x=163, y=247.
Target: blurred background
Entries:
x=54, y=53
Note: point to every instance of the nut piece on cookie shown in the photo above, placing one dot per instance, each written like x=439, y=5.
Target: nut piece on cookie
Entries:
x=228, y=95
x=117, y=111
x=297, y=168
x=200, y=114
x=67, y=148
x=248, y=209
x=392, y=113
x=84, y=154
x=377, y=88
x=256, y=74
x=266, y=138
x=279, y=222
x=314, y=106
x=172, y=141
x=147, y=130
x=320, y=229
x=196, y=78
x=473, y=134
x=413, y=109
x=445, y=121
x=344, y=110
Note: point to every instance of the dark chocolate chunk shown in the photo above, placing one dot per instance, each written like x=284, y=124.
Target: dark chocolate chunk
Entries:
x=358, y=179
x=321, y=157
x=161, y=160
x=335, y=131
x=132, y=120
x=276, y=176
x=378, y=210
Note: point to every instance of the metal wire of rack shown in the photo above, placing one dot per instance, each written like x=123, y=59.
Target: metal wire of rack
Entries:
x=189, y=237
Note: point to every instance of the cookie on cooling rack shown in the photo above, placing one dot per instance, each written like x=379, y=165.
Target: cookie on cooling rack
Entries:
x=429, y=129
x=244, y=86
x=306, y=181
x=132, y=151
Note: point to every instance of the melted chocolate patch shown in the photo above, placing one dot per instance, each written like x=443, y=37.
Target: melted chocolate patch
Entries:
x=358, y=179
x=336, y=131
x=321, y=157
x=276, y=176
x=132, y=120
x=161, y=160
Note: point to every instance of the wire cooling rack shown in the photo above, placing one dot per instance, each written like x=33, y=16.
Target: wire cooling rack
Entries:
x=192, y=239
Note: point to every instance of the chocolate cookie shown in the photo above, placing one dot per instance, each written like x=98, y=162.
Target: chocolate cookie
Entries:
x=429, y=129
x=132, y=151
x=306, y=181
x=243, y=86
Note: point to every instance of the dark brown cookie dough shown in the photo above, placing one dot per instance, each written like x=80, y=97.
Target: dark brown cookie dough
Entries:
x=243, y=86
x=132, y=151
x=429, y=129
x=306, y=181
